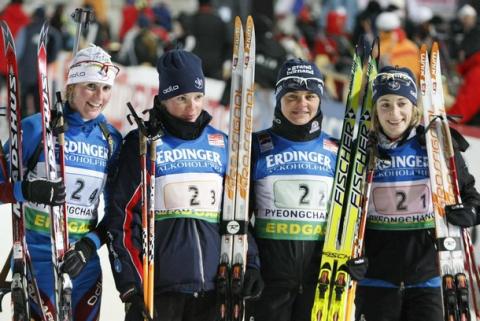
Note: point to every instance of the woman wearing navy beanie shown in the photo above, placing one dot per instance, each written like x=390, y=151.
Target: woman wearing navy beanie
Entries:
x=293, y=165
x=191, y=160
x=402, y=281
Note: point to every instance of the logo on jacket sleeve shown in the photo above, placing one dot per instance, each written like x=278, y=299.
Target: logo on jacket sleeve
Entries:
x=216, y=140
x=330, y=145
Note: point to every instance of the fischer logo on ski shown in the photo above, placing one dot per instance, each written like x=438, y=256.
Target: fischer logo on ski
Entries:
x=334, y=294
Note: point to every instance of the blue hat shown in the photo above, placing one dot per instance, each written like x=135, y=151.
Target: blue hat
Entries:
x=396, y=81
x=180, y=72
x=297, y=74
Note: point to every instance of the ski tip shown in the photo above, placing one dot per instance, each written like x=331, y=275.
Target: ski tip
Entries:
x=423, y=48
x=250, y=21
x=43, y=36
x=435, y=46
x=7, y=36
x=238, y=21
x=249, y=33
x=237, y=41
x=375, y=50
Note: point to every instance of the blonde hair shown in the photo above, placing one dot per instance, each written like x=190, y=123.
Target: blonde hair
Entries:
x=69, y=93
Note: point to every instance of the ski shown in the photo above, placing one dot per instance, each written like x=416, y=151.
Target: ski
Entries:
x=470, y=262
x=23, y=275
x=367, y=179
x=457, y=299
x=19, y=289
x=235, y=216
x=335, y=291
x=62, y=282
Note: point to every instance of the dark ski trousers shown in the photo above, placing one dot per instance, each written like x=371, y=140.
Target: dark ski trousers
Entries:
x=173, y=306
x=395, y=304
x=281, y=304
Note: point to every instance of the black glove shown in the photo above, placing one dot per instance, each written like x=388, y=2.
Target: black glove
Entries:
x=252, y=284
x=461, y=215
x=43, y=191
x=77, y=256
x=136, y=309
x=357, y=268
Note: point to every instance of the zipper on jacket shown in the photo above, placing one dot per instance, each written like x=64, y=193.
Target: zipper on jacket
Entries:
x=201, y=265
x=300, y=276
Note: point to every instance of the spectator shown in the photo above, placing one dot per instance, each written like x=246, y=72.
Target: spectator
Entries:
x=395, y=48
x=467, y=102
x=146, y=44
x=129, y=18
x=62, y=23
x=27, y=43
x=335, y=42
x=270, y=56
x=365, y=23
x=15, y=17
x=422, y=29
x=212, y=39
x=288, y=34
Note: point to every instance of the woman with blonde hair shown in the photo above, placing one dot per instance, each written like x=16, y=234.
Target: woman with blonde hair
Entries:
x=402, y=280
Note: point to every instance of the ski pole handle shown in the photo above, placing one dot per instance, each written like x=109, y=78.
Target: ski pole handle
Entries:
x=82, y=18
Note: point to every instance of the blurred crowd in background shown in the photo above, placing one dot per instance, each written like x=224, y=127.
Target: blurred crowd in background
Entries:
x=325, y=32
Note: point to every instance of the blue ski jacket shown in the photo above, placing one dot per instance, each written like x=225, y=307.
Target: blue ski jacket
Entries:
x=188, y=200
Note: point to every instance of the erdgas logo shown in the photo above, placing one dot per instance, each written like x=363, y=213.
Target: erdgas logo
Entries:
x=170, y=89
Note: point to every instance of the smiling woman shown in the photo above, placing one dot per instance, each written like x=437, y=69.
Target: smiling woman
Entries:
x=90, y=80
x=91, y=153
x=399, y=242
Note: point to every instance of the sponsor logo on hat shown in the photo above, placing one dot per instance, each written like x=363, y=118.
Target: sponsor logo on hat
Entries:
x=303, y=69
x=170, y=89
x=393, y=85
x=77, y=74
x=199, y=83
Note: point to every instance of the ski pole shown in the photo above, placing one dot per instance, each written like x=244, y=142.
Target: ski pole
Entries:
x=59, y=130
x=147, y=206
x=151, y=227
x=82, y=18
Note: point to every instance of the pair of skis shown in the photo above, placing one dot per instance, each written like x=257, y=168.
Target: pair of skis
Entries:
x=235, y=216
x=347, y=212
x=58, y=214
x=147, y=183
x=457, y=296
x=23, y=271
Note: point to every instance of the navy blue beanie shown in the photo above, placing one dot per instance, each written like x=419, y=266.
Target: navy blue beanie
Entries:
x=180, y=72
x=396, y=81
x=297, y=74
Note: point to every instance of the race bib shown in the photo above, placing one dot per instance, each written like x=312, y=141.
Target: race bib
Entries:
x=306, y=194
x=402, y=200
x=193, y=194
